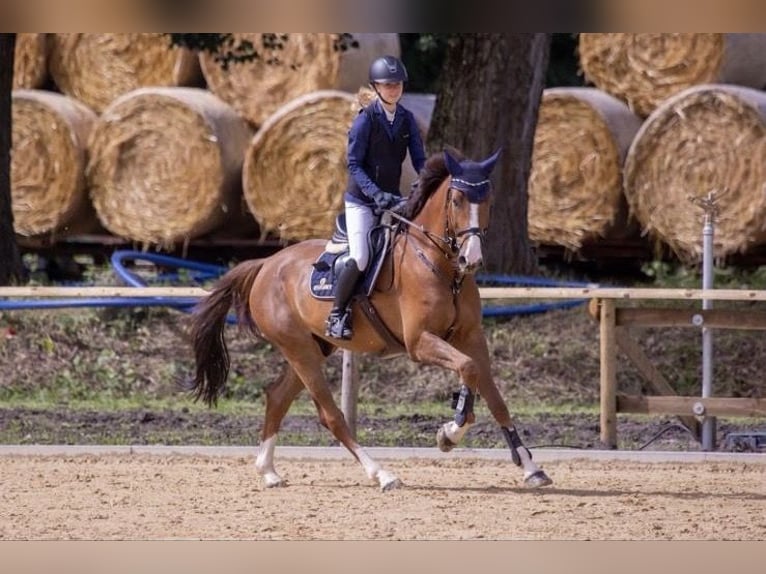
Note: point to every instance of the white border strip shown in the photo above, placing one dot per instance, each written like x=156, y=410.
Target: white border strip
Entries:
x=382, y=453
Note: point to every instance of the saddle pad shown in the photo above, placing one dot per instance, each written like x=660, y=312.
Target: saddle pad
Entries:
x=322, y=280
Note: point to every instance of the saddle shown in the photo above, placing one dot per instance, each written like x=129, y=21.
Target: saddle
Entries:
x=324, y=272
x=324, y=269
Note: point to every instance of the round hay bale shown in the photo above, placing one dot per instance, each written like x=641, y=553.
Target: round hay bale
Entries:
x=50, y=133
x=708, y=138
x=645, y=69
x=297, y=64
x=166, y=165
x=295, y=171
x=97, y=68
x=575, y=185
x=30, y=63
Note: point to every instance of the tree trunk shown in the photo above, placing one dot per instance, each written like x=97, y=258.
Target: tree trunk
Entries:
x=489, y=97
x=11, y=269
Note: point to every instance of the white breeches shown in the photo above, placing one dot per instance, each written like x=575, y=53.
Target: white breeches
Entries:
x=359, y=220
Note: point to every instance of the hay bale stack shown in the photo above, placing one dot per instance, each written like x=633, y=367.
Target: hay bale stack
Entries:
x=646, y=69
x=295, y=171
x=98, y=68
x=575, y=186
x=706, y=139
x=306, y=63
x=166, y=165
x=30, y=63
x=50, y=133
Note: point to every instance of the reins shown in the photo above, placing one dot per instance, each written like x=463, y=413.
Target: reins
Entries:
x=450, y=240
x=432, y=237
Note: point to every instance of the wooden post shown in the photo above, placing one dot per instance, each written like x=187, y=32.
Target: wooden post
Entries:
x=608, y=374
x=349, y=390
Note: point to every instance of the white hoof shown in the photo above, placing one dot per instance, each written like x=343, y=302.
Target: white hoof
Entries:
x=537, y=479
x=388, y=481
x=273, y=480
x=443, y=441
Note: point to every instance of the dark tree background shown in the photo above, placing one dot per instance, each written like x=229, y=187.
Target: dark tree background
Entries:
x=11, y=270
x=490, y=91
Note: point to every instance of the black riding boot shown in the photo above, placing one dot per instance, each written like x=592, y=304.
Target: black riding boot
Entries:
x=339, y=320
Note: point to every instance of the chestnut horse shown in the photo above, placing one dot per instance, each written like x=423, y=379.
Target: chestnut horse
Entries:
x=426, y=299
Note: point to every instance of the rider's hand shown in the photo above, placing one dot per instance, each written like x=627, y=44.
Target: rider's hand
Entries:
x=385, y=200
x=400, y=205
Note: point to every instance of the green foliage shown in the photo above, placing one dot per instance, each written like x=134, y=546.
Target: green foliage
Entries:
x=423, y=56
x=227, y=49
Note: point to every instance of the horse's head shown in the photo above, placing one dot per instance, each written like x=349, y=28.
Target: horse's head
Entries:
x=468, y=203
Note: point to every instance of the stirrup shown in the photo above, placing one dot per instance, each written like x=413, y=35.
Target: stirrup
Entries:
x=338, y=326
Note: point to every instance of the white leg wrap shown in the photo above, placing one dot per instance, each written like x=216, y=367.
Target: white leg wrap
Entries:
x=264, y=463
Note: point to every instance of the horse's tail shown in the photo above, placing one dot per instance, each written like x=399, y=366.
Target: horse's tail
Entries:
x=211, y=354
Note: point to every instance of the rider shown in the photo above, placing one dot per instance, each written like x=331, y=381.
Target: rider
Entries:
x=377, y=145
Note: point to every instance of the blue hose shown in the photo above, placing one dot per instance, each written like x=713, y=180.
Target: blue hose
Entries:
x=201, y=272
x=204, y=271
x=71, y=302
x=527, y=309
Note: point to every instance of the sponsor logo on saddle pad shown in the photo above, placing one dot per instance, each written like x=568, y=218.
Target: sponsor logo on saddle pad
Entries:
x=322, y=280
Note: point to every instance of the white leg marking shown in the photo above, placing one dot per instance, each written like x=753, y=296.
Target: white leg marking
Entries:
x=454, y=432
x=374, y=471
x=264, y=463
x=529, y=465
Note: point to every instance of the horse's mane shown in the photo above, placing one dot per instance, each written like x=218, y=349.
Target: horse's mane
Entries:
x=434, y=172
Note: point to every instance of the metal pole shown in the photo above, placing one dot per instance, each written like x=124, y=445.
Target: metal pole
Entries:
x=708, y=423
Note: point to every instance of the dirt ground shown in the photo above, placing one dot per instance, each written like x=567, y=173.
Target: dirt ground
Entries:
x=148, y=497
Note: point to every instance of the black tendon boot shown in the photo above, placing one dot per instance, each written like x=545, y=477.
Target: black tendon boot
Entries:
x=339, y=320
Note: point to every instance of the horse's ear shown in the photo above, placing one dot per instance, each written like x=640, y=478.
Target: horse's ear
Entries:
x=453, y=165
x=488, y=164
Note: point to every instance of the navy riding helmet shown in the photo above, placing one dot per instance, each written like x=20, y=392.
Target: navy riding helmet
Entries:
x=387, y=69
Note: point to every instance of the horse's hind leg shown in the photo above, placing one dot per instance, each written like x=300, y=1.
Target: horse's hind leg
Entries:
x=307, y=363
x=279, y=396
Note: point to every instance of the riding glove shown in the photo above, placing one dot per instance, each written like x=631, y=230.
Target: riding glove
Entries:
x=385, y=200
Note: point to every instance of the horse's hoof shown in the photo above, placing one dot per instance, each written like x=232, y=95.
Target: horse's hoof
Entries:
x=443, y=441
x=537, y=480
x=274, y=481
x=391, y=485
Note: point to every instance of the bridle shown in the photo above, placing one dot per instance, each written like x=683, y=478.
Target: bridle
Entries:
x=453, y=239
x=451, y=242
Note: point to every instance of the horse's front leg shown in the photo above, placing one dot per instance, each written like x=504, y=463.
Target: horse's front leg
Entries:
x=475, y=376
x=430, y=349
